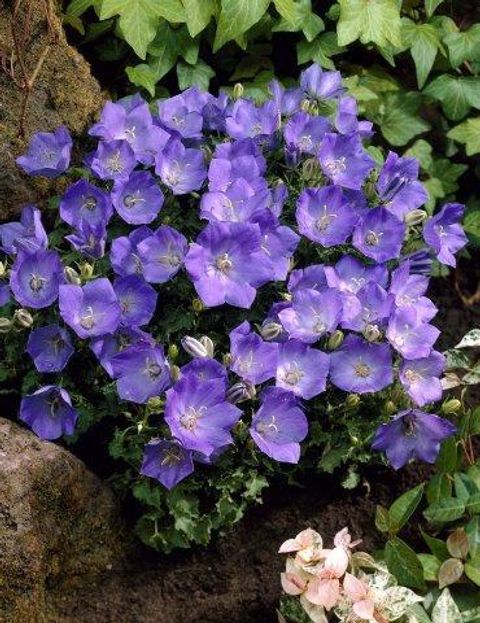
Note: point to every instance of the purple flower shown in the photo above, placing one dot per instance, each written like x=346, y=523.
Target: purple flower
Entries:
x=113, y=160
x=176, y=114
x=287, y=101
x=166, y=461
x=137, y=299
x=313, y=314
x=182, y=170
x=321, y=85
x=49, y=412
x=350, y=275
x=301, y=369
x=398, y=185
x=35, y=278
x=252, y=359
x=226, y=263
x=360, y=366
x=346, y=121
x=325, y=215
x=250, y=121
x=162, y=254
x=50, y=348
x=205, y=369
x=199, y=416
x=235, y=160
x=106, y=347
x=375, y=308
x=444, y=233
x=237, y=204
x=344, y=160
x=310, y=278
x=412, y=434
x=272, y=329
x=124, y=256
x=303, y=133
x=89, y=239
x=27, y=235
x=379, y=235
x=408, y=291
x=85, y=203
x=279, y=425
x=421, y=378
x=141, y=371
x=48, y=153
x=138, y=200
x=278, y=243
x=91, y=310
x=411, y=337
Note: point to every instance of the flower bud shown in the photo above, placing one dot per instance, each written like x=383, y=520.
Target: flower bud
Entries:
x=415, y=217
x=335, y=340
x=172, y=352
x=3, y=269
x=390, y=407
x=372, y=333
x=286, y=296
x=5, y=325
x=227, y=359
x=310, y=169
x=238, y=91
x=174, y=373
x=243, y=390
x=155, y=404
x=209, y=346
x=352, y=401
x=86, y=270
x=197, y=305
x=271, y=330
x=23, y=318
x=451, y=406
x=72, y=276
x=194, y=347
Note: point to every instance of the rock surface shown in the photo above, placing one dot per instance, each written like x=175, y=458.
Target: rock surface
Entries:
x=64, y=92
x=59, y=526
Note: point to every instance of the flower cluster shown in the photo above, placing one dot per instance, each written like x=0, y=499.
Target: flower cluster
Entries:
x=335, y=580
x=274, y=184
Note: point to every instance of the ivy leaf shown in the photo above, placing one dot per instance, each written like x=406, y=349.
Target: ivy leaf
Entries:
x=431, y=6
x=376, y=21
x=467, y=133
x=297, y=15
x=138, y=21
x=457, y=95
x=198, y=14
x=78, y=7
x=198, y=75
x=424, y=43
x=400, y=122
x=463, y=45
x=404, y=563
x=320, y=50
x=236, y=17
x=471, y=225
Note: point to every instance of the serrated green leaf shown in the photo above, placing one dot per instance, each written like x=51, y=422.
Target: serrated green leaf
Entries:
x=298, y=15
x=78, y=7
x=445, y=609
x=431, y=6
x=404, y=507
x=471, y=225
x=424, y=43
x=467, y=133
x=472, y=570
x=319, y=50
x=198, y=75
x=399, y=121
x=198, y=14
x=236, y=17
x=457, y=95
x=422, y=151
x=138, y=21
x=376, y=21
x=445, y=510
x=464, y=45
x=404, y=563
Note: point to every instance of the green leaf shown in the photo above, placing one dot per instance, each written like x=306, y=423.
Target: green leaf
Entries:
x=376, y=21
x=457, y=95
x=436, y=546
x=447, y=457
x=404, y=563
x=431, y=566
x=473, y=532
x=471, y=225
x=138, y=21
x=450, y=572
x=470, y=339
x=473, y=504
x=320, y=50
x=431, y=6
x=472, y=570
x=464, y=487
x=473, y=472
x=198, y=14
x=457, y=543
x=236, y=17
x=445, y=609
x=445, y=510
x=467, y=133
x=399, y=121
x=78, y=7
x=438, y=487
x=297, y=15
x=404, y=507
x=382, y=519
x=463, y=45
x=424, y=43
x=198, y=75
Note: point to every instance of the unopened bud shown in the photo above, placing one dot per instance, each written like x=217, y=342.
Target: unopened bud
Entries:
x=227, y=359
x=415, y=217
x=243, y=390
x=194, y=347
x=174, y=373
x=451, y=406
x=335, y=340
x=238, y=91
x=390, y=407
x=352, y=401
x=372, y=333
x=155, y=404
x=86, y=270
x=5, y=325
x=286, y=296
x=23, y=318
x=209, y=346
x=172, y=352
x=72, y=276
x=311, y=169
x=197, y=305
x=271, y=330
x=3, y=269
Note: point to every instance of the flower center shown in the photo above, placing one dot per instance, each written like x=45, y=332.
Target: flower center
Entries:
x=153, y=369
x=56, y=343
x=171, y=457
x=130, y=201
x=130, y=132
x=409, y=426
x=362, y=370
x=323, y=222
x=173, y=175
x=37, y=282
x=263, y=427
x=372, y=238
x=224, y=263
x=305, y=142
x=190, y=417
x=87, y=321
x=89, y=203
x=412, y=376
x=48, y=156
x=114, y=163
x=293, y=376
x=334, y=167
